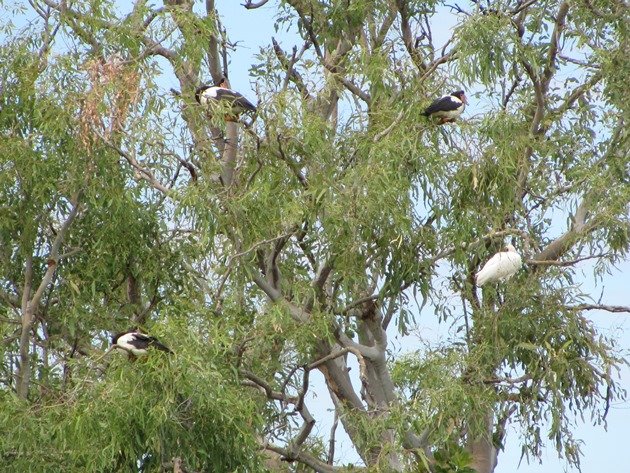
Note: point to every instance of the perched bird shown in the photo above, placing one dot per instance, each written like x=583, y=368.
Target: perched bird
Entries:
x=448, y=107
x=501, y=267
x=137, y=343
x=210, y=95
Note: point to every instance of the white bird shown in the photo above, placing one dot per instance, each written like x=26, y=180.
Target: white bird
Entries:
x=501, y=267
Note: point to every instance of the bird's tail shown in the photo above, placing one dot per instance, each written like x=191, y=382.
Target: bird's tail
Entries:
x=242, y=103
x=480, y=279
x=247, y=105
x=160, y=346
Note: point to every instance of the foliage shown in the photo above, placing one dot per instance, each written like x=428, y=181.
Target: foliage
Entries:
x=298, y=240
x=137, y=415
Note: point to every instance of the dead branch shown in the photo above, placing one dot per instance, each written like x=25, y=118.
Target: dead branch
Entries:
x=289, y=65
x=253, y=5
x=564, y=263
x=607, y=308
x=560, y=245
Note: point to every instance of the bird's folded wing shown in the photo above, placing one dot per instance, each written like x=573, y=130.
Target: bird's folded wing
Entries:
x=444, y=104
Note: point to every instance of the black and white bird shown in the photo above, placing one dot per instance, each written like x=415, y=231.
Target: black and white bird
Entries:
x=211, y=95
x=501, y=267
x=137, y=343
x=448, y=107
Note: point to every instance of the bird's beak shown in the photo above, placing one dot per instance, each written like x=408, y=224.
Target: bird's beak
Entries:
x=464, y=99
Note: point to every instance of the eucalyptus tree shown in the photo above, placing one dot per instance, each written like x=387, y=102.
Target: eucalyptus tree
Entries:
x=298, y=240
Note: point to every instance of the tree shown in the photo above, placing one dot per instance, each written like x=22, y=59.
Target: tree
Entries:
x=265, y=249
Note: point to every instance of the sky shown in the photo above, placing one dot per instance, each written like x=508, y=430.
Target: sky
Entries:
x=601, y=448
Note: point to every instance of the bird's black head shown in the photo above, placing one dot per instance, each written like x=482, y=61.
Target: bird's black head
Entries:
x=460, y=95
x=198, y=91
x=222, y=83
x=116, y=336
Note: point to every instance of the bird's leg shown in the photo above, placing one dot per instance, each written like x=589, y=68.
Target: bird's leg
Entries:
x=500, y=299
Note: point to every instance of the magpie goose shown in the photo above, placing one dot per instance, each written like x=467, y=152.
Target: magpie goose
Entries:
x=501, y=267
x=448, y=107
x=210, y=95
x=137, y=343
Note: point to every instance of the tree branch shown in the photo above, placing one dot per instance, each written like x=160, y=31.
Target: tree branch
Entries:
x=30, y=305
x=408, y=40
x=288, y=65
x=560, y=245
x=141, y=172
x=564, y=263
x=550, y=67
x=607, y=308
x=306, y=458
x=250, y=5
x=276, y=296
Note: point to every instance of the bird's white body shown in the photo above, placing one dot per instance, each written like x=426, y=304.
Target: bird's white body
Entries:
x=211, y=96
x=211, y=93
x=501, y=267
x=448, y=107
x=126, y=342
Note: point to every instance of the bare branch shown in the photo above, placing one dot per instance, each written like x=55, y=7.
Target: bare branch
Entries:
x=607, y=308
x=508, y=95
x=377, y=41
x=213, y=44
x=512, y=381
x=351, y=86
x=550, y=67
x=560, y=245
x=257, y=245
x=288, y=65
x=258, y=382
x=579, y=92
x=359, y=302
x=294, y=169
x=276, y=296
x=410, y=44
x=564, y=263
x=306, y=458
x=318, y=283
x=331, y=442
x=383, y=133
x=141, y=172
x=53, y=257
x=152, y=16
x=360, y=351
x=228, y=157
x=253, y=5
x=434, y=64
x=523, y=6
